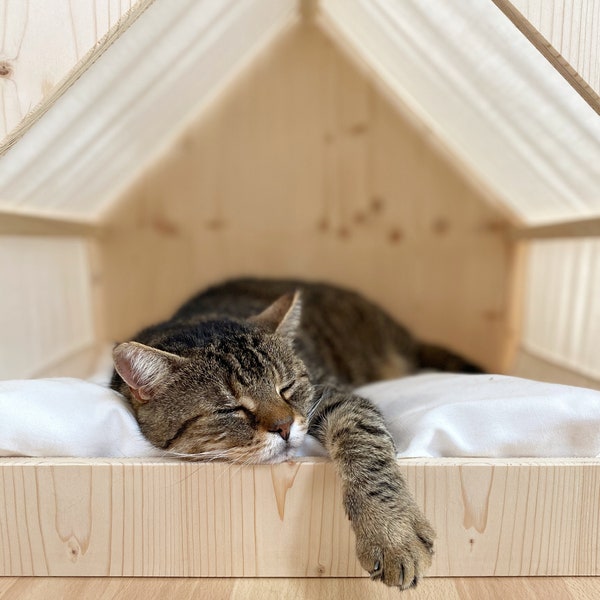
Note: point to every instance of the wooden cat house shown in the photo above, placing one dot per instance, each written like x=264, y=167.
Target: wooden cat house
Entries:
x=442, y=158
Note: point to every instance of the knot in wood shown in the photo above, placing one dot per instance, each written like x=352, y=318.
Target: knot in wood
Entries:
x=5, y=69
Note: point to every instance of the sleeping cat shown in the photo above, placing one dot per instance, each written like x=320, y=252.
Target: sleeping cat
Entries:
x=243, y=371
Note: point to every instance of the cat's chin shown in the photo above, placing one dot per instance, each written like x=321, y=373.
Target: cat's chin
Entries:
x=288, y=454
x=277, y=450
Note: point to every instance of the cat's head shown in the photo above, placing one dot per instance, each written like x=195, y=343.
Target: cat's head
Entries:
x=241, y=395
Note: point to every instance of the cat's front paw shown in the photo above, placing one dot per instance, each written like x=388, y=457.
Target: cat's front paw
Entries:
x=396, y=551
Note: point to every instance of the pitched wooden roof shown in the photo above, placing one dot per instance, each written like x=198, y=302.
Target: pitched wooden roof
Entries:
x=463, y=72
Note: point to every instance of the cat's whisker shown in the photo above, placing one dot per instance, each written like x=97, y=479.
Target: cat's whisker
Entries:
x=239, y=466
x=319, y=398
x=207, y=456
x=313, y=409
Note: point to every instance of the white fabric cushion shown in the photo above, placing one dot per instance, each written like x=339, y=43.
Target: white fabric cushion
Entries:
x=442, y=414
x=429, y=415
x=67, y=417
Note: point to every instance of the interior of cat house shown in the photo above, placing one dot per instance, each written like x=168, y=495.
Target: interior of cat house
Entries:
x=443, y=159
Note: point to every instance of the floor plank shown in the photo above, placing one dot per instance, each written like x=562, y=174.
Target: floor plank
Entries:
x=473, y=588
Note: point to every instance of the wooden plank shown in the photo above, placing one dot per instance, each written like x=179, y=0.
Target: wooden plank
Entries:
x=41, y=588
x=515, y=290
x=568, y=229
x=19, y=223
x=562, y=303
x=528, y=365
x=46, y=47
x=121, y=114
x=486, y=192
x=504, y=138
x=304, y=169
x=166, y=518
x=83, y=362
x=46, y=312
x=567, y=34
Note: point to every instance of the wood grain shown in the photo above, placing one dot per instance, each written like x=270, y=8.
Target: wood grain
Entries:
x=41, y=43
x=562, y=312
x=569, y=229
x=529, y=365
x=120, y=114
x=46, y=310
x=170, y=519
x=428, y=55
x=568, y=35
x=490, y=588
x=15, y=223
x=304, y=169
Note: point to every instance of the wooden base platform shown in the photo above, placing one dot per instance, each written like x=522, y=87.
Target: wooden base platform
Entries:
x=165, y=518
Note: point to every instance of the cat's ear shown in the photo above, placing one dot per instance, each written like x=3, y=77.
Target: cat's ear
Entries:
x=144, y=369
x=283, y=316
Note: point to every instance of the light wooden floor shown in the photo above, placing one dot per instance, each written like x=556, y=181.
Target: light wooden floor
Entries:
x=484, y=588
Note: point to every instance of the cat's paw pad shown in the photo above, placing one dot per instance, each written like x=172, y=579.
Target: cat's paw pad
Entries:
x=398, y=556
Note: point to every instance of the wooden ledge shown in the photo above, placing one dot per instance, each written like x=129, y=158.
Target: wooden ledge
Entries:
x=153, y=517
x=568, y=229
x=17, y=223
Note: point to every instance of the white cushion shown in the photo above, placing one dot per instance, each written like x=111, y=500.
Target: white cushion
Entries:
x=442, y=414
x=429, y=415
x=67, y=417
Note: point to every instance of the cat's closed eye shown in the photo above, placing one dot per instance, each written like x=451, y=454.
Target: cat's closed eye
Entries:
x=286, y=391
x=238, y=410
x=229, y=410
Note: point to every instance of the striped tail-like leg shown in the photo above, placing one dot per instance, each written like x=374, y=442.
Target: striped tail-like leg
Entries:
x=394, y=541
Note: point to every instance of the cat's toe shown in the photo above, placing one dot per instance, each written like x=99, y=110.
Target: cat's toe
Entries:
x=400, y=564
x=408, y=577
x=397, y=570
x=404, y=571
x=425, y=535
x=377, y=570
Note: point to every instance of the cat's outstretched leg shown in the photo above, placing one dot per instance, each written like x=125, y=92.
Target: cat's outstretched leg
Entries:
x=394, y=541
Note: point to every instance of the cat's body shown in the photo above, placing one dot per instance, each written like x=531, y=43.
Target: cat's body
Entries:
x=245, y=369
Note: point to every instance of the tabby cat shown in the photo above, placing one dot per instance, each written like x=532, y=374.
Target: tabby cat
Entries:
x=243, y=371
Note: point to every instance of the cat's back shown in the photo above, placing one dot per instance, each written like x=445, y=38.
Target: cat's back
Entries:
x=340, y=331
x=321, y=302
x=239, y=298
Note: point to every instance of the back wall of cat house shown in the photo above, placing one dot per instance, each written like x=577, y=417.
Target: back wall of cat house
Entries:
x=302, y=167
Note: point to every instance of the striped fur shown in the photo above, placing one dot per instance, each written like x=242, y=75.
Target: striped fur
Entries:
x=245, y=369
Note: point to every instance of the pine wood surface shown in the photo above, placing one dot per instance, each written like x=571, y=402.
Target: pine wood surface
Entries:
x=303, y=169
x=475, y=588
x=562, y=304
x=44, y=46
x=532, y=366
x=19, y=223
x=409, y=46
x=46, y=311
x=571, y=31
x=70, y=517
x=569, y=229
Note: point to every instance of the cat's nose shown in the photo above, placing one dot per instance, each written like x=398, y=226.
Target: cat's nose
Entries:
x=282, y=427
